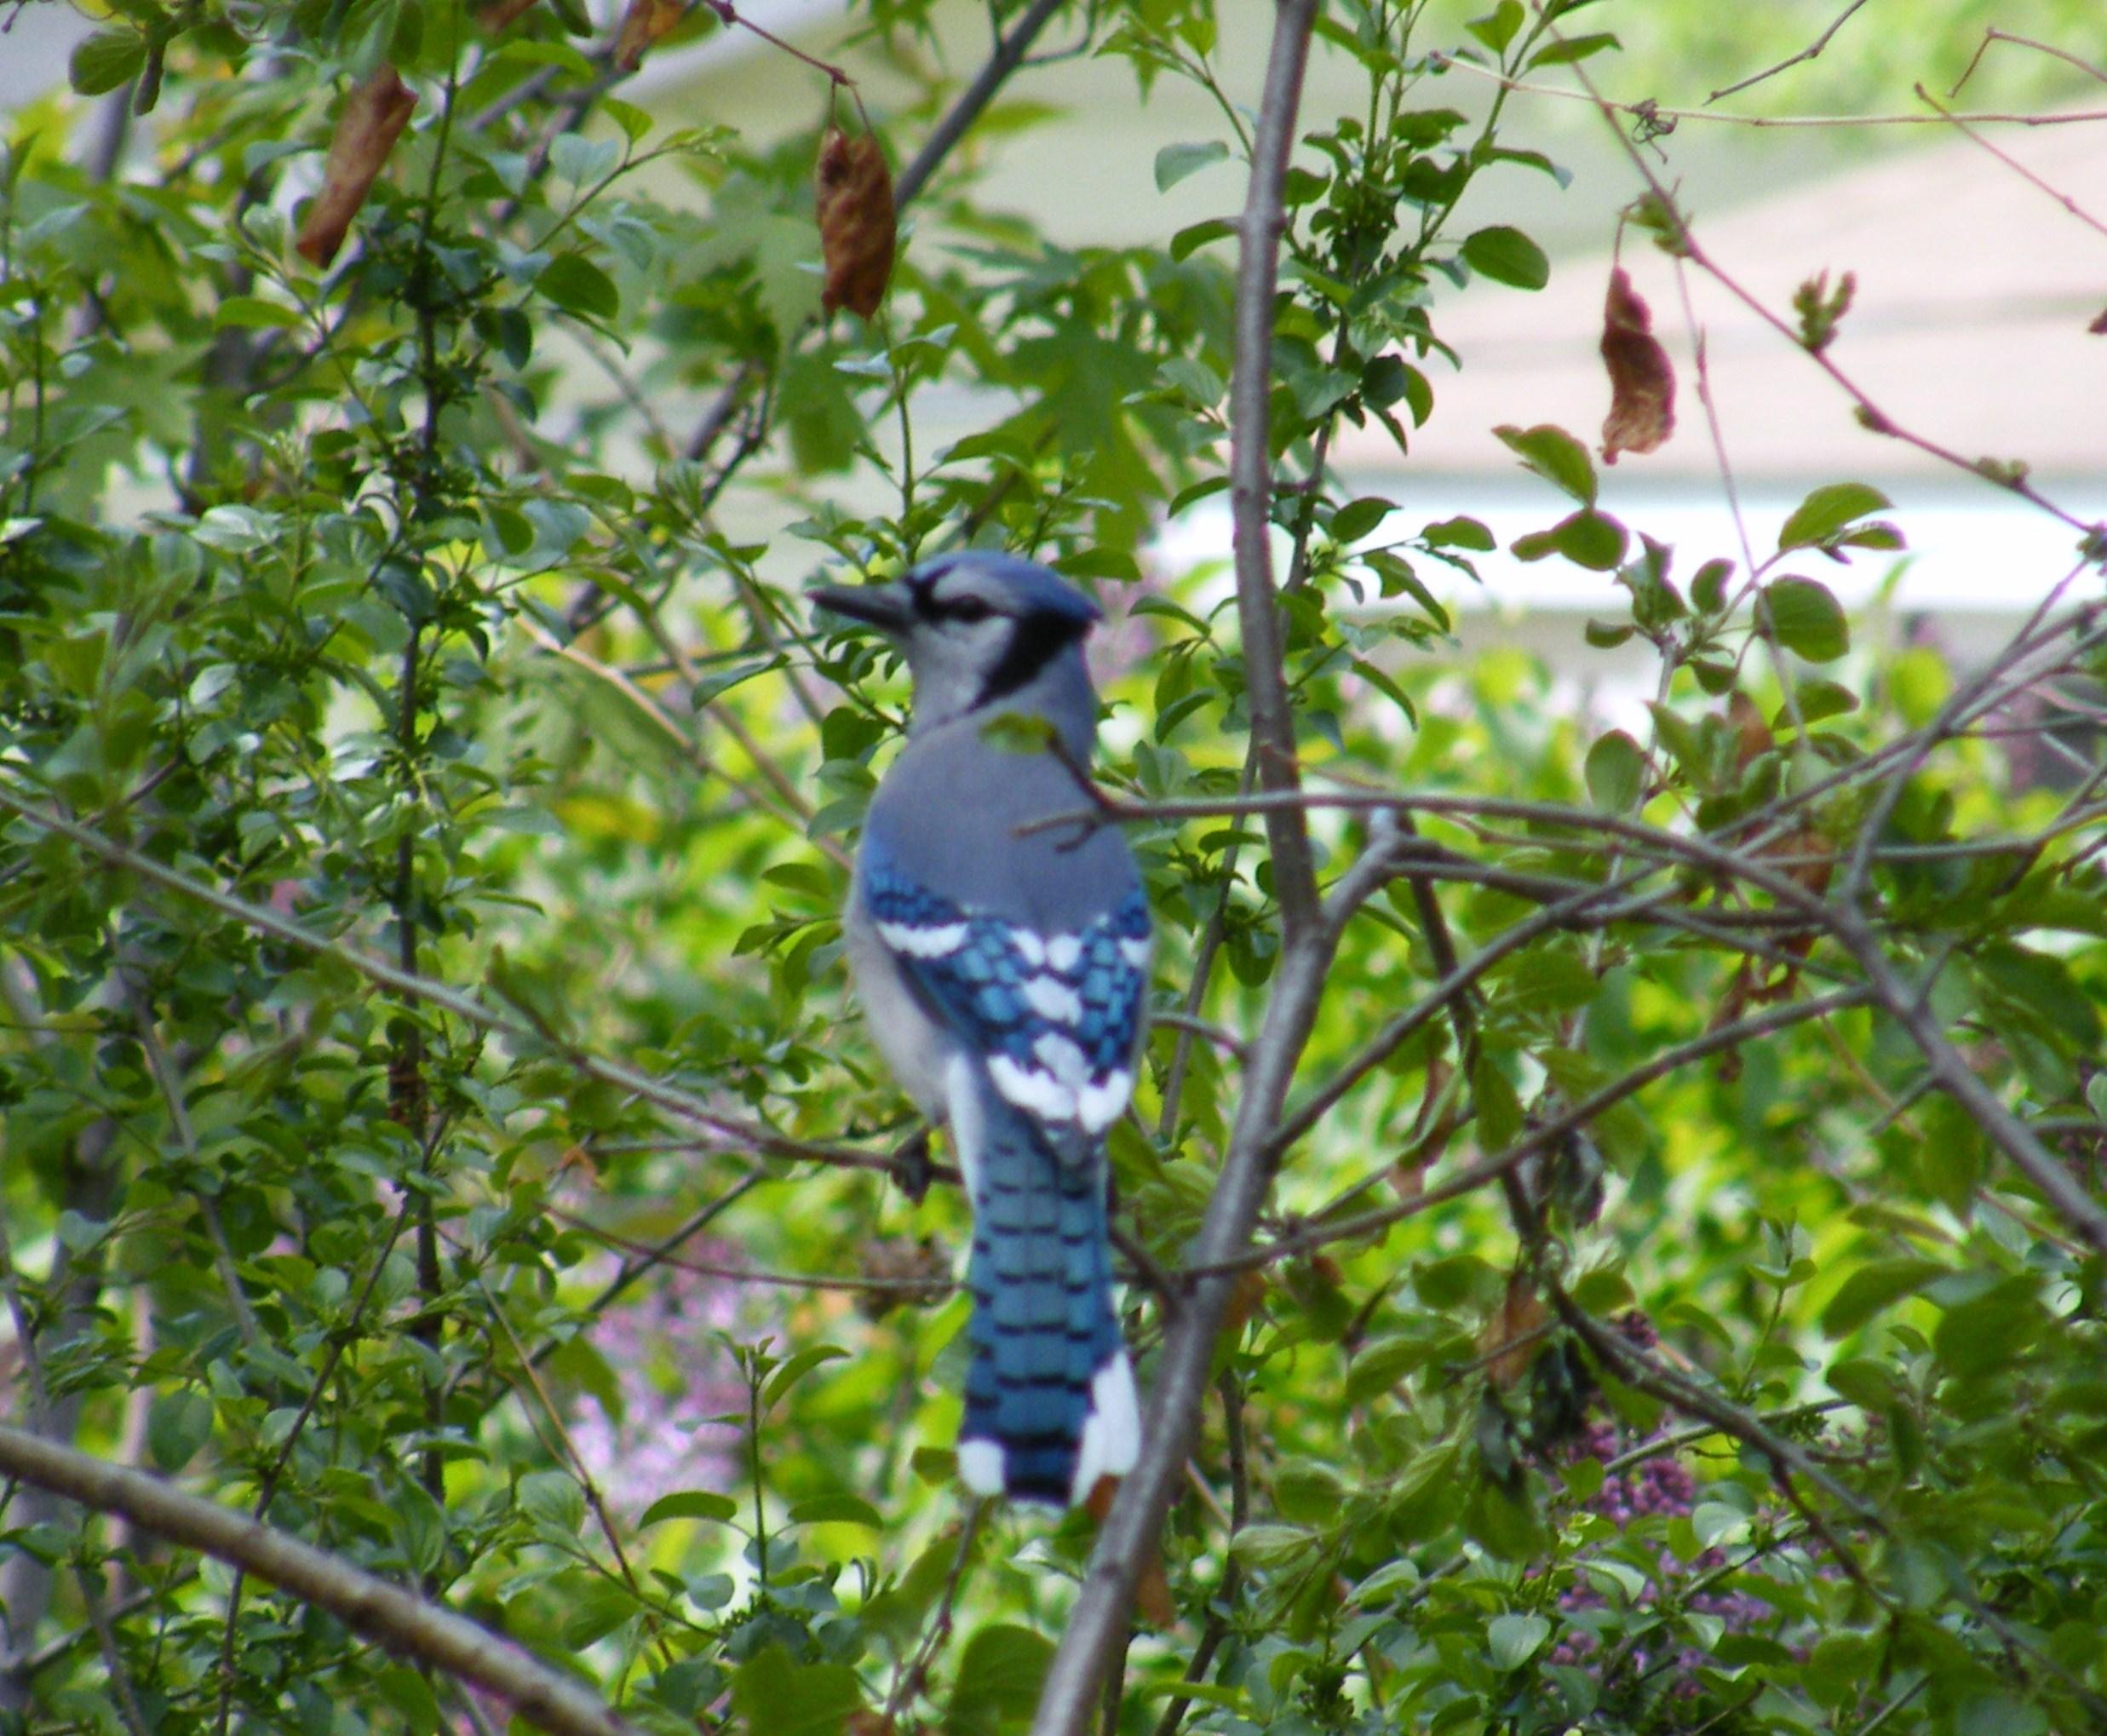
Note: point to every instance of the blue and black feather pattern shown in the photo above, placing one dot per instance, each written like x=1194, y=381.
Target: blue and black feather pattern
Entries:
x=1054, y=1022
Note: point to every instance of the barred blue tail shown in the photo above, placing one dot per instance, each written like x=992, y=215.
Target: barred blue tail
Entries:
x=1050, y=1399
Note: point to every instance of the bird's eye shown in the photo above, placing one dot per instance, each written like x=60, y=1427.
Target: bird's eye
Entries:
x=969, y=609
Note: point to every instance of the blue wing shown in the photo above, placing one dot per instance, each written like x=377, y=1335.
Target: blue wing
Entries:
x=1055, y=1018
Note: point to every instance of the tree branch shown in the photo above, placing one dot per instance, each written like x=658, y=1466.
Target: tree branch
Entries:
x=1008, y=55
x=1538, y=1138
x=2050, y=1175
x=1250, y=471
x=1097, y=1625
x=367, y=1605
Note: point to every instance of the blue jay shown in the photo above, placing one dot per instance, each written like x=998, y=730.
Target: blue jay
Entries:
x=1003, y=976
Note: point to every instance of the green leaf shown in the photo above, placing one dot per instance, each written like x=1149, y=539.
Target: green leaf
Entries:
x=795, y=1368
x=1817, y=700
x=1357, y=518
x=1554, y=455
x=1594, y=540
x=1497, y=28
x=1819, y=518
x=178, y=1424
x=552, y=1499
x=2000, y=1714
x=1173, y=162
x=840, y=1508
x=578, y=159
x=1499, y=1110
x=1806, y=618
x=1506, y=256
x=1568, y=49
x=1708, y=589
x=1387, y=378
x=1194, y=236
x=1872, y=1288
x=1986, y=1334
x=787, y=1698
x=105, y=60
x=1307, y=1492
x=1713, y=1521
x=690, y=1503
x=1379, y=1365
x=1513, y=1640
x=999, y=1674
x=1615, y=770
x=577, y=285
x=245, y=313
x=420, y=1527
x=1459, y=534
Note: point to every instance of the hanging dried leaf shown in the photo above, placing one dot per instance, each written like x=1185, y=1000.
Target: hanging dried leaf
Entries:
x=1509, y=1343
x=497, y=14
x=1642, y=383
x=644, y=24
x=1811, y=859
x=373, y=117
x=921, y=1270
x=1153, y=1600
x=1247, y=1295
x=1751, y=735
x=856, y=223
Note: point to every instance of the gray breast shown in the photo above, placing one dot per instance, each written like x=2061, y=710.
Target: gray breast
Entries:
x=950, y=813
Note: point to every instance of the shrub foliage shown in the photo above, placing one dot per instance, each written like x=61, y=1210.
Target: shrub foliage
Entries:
x=1616, y=1214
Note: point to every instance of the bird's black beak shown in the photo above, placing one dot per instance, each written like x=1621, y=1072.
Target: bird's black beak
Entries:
x=888, y=607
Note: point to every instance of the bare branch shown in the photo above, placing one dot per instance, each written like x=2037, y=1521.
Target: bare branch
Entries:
x=366, y=1604
x=1539, y=1138
x=1811, y=52
x=2010, y=162
x=2049, y=1173
x=1251, y=476
x=1870, y=414
x=1995, y=35
x=1651, y=112
x=1008, y=55
x=1097, y=1625
x=660, y=1254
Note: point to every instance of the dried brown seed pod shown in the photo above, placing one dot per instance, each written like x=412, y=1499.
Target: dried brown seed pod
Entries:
x=1642, y=383
x=857, y=227
x=643, y=24
x=373, y=117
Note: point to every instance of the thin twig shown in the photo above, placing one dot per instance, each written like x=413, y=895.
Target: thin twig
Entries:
x=1811, y=52
x=1684, y=242
x=532, y=1037
x=164, y=1079
x=1994, y=35
x=2011, y=162
x=1649, y=112
x=747, y=1274
x=1539, y=1138
x=915, y=1676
